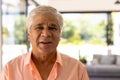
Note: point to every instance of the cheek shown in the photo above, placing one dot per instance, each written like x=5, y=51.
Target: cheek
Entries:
x=57, y=36
x=32, y=37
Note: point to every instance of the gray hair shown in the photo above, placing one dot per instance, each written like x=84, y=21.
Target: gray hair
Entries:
x=43, y=9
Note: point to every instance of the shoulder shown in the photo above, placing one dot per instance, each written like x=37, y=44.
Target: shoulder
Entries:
x=17, y=61
x=71, y=61
x=13, y=67
x=67, y=57
x=18, y=58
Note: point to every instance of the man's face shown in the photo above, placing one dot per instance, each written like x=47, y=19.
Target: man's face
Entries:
x=44, y=33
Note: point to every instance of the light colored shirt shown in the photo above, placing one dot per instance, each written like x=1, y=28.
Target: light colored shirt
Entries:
x=23, y=68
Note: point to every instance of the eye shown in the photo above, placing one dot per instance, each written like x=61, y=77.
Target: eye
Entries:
x=39, y=27
x=53, y=27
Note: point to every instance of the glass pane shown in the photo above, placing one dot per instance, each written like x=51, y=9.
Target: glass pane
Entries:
x=84, y=34
x=14, y=31
x=83, y=31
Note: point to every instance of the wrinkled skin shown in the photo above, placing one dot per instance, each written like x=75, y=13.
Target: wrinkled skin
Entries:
x=44, y=34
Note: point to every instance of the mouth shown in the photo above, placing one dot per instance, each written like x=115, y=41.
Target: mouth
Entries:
x=45, y=42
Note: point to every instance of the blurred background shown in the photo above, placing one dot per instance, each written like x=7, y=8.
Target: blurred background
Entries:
x=90, y=27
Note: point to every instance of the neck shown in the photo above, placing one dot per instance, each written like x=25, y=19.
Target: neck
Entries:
x=44, y=58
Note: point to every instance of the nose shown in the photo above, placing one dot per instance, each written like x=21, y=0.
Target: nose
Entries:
x=45, y=33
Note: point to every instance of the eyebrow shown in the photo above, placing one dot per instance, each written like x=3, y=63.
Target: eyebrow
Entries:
x=53, y=25
x=38, y=25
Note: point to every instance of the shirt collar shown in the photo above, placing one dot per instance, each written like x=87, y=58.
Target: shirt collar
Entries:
x=59, y=59
x=27, y=59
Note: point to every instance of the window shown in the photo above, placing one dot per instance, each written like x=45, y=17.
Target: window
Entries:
x=87, y=34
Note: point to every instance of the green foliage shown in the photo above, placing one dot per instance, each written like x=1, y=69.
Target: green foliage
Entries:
x=83, y=59
x=70, y=33
x=68, y=29
x=83, y=30
x=5, y=32
x=98, y=33
x=20, y=30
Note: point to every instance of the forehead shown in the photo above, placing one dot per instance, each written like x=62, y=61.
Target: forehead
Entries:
x=45, y=17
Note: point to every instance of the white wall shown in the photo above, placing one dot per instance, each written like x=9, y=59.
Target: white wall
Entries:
x=83, y=5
